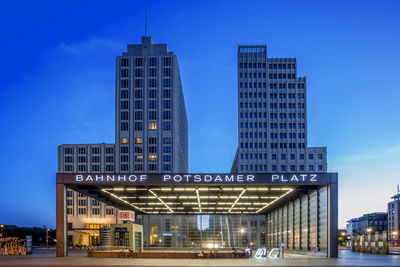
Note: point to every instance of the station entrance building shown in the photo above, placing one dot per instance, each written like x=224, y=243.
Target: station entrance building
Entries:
x=200, y=211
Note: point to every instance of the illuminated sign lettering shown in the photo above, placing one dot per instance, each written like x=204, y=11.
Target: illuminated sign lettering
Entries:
x=223, y=178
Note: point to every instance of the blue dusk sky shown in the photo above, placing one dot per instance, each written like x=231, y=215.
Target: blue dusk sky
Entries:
x=57, y=83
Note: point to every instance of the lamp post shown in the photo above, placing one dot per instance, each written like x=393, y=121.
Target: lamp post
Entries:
x=2, y=227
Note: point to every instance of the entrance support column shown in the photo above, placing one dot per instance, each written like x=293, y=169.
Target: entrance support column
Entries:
x=61, y=231
x=333, y=218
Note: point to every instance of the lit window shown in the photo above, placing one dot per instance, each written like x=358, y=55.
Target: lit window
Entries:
x=152, y=126
x=138, y=140
x=139, y=158
x=153, y=158
x=124, y=140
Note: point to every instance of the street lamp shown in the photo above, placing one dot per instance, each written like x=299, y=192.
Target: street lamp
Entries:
x=369, y=230
x=2, y=227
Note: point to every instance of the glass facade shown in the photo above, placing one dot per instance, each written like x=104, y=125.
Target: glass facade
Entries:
x=301, y=224
x=203, y=231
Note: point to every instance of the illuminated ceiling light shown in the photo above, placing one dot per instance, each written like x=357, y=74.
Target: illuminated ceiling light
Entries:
x=179, y=189
x=234, y=203
x=203, y=189
x=119, y=189
x=166, y=189
x=198, y=199
x=227, y=188
x=131, y=189
x=123, y=200
x=161, y=201
x=288, y=192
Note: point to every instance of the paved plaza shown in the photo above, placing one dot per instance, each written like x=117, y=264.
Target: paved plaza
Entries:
x=79, y=258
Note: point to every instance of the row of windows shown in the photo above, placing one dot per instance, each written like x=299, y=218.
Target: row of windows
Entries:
x=124, y=83
x=82, y=159
x=271, y=105
x=273, y=145
x=271, y=66
x=272, y=95
x=125, y=149
x=152, y=115
x=281, y=168
x=272, y=125
x=272, y=135
x=151, y=167
x=151, y=61
x=152, y=126
x=152, y=104
x=282, y=156
x=152, y=72
x=271, y=85
x=263, y=75
x=124, y=104
x=271, y=115
x=82, y=150
x=94, y=168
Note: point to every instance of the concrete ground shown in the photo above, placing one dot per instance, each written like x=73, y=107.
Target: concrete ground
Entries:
x=47, y=257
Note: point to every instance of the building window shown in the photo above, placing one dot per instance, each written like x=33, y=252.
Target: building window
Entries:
x=167, y=82
x=152, y=157
x=167, y=61
x=95, y=211
x=109, y=168
x=310, y=167
x=68, y=168
x=319, y=156
x=109, y=211
x=95, y=168
x=292, y=168
x=320, y=168
x=301, y=156
x=82, y=168
x=310, y=156
x=167, y=140
x=152, y=126
x=153, y=61
x=138, y=167
x=124, y=140
x=82, y=202
x=167, y=167
x=81, y=211
x=273, y=168
x=152, y=167
x=301, y=167
x=166, y=125
x=283, y=168
x=68, y=150
x=70, y=193
x=138, y=62
x=138, y=140
x=138, y=158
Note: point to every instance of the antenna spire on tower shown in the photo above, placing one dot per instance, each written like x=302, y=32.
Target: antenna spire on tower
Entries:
x=145, y=24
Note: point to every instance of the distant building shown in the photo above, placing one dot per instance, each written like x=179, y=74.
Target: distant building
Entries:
x=394, y=217
x=352, y=226
x=272, y=117
x=151, y=136
x=377, y=221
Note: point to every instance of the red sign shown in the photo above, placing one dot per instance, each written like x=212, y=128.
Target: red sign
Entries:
x=126, y=215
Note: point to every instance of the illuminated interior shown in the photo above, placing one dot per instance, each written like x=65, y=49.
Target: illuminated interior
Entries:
x=198, y=200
